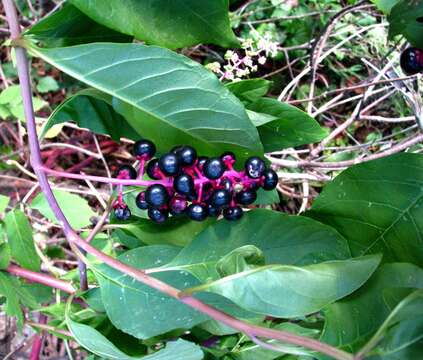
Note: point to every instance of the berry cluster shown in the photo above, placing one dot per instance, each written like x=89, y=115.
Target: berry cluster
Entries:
x=412, y=61
x=198, y=186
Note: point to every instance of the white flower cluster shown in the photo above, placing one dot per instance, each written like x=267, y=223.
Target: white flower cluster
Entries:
x=237, y=67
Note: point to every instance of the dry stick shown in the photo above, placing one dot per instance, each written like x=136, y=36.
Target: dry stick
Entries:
x=343, y=164
x=319, y=45
x=139, y=275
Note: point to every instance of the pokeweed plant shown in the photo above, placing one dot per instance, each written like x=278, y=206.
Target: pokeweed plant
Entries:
x=342, y=281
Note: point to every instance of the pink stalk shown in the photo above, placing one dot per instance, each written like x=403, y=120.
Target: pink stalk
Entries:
x=37, y=345
x=41, y=278
x=72, y=237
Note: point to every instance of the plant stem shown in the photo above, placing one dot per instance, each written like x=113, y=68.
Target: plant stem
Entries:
x=73, y=238
x=41, y=278
x=37, y=345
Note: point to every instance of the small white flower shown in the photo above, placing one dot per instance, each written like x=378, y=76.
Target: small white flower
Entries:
x=214, y=66
x=262, y=60
x=247, y=61
x=229, y=54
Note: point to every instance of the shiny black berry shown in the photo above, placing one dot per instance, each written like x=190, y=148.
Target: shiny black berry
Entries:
x=144, y=149
x=170, y=164
x=177, y=205
x=226, y=183
x=156, y=195
x=188, y=155
x=254, y=167
x=184, y=185
x=153, y=170
x=212, y=211
x=233, y=213
x=220, y=198
x=126, y=172
x=214, y=168
x=270, y=180
x=140, y=201
x=122, y=212
x=246, y=197
x=228, y=157
x=201, y=161
x=157, y=215
x=197, y=212
x=412, y=61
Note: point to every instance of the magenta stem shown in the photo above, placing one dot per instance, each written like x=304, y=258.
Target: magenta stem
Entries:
x=41, y=278
x=37, y=345
x=72, y=237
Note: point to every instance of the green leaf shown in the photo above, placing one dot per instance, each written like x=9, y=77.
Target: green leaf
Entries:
x=75, y=208
x=249, y=90
x=5, y=255
x=69, y=26
x=166, y=23
x=178, y=231
x=91, y=109
x=401, y=329
x=98, y=344
x=406, y=18
x=291, y=128
x=283, y=239
x=19, y=235
x=164, y=96
x=385, y=5
x=12, y=307
x=267, y=197
x=377, y=207
x=351, y=321
x=46, y=84
x=4, y=201
x=144, y=312
x=290, y=291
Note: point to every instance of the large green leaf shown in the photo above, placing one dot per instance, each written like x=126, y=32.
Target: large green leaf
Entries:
x=351, y=321
x=12, y=307
x=69, y=26
x=164, y=96
x=292, y=126
x=406, y=18
x=377, y=206
x=385, y=5
x=283, y=239
x=290, y=291
x=75, y=208
x=98, y=344
x=92, y=109
x=144, y=312
x=172, y=24
x=402, y=329
x=19, y=235
x=249, y=90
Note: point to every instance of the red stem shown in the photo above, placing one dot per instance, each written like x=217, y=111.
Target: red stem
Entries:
x=72, y=237
x=37, y=345
x=41, y=278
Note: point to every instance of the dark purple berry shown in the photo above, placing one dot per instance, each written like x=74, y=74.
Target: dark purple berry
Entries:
x=176, y=149
x=170, y=164
x=270, y=180
x=156, y=195
x=214, y=168
x=197, y=212
x=226, y=183
x=254, y=167
x=122, y=212
x=412, y=61
x=126, y=172
x=233, y=213
x=246, y=197
x=228, y=157
x=157, y=215
x=145, y=149
x=201, y=161
x=187, y=154
x=140, y=201
x=153, y=170
x=213, y=212
x=220, y=198
x=184, y=185
x=177, y=205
